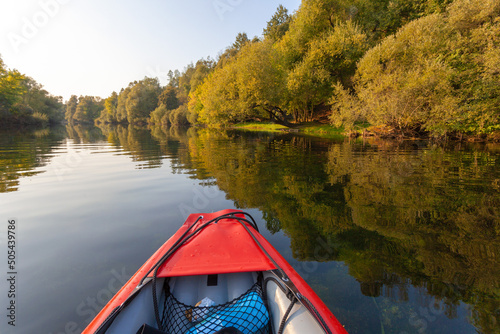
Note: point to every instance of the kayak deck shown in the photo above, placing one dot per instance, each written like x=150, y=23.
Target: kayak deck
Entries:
x=217, y=274
x=239, y=302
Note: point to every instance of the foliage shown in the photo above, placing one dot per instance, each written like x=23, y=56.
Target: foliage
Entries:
x=278, y=25
x=88, y=109
x=24, y=101
x=169, y=98
x=71, y=108
x=382, y=18
x=142, y=100
x=178, y=117
x=11, y=88
x=108, y=114
x=330, y=59
x=436, y=74
x=232, y=51
x=156, y=116
x=261, y=82
x=411, y=65
x=42, y=102
x=298, y=67
x=219, y=97
x=121, y=109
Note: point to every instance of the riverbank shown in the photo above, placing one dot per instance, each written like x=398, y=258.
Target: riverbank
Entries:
x=311, y=129
x=362, y=130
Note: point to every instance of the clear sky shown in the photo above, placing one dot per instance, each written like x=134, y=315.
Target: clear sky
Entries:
x=94, y=47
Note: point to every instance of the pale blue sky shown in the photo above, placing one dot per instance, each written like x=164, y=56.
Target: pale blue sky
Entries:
x=92, y=47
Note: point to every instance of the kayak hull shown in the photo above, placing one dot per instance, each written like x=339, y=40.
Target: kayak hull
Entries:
x=220, y=263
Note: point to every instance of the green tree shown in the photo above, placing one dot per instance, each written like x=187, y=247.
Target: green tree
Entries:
x=157, y=115
x=330, y=59
x=278, y=25
x=178, y=117
x=11, y=89
x=88, y=109
x=261, y=82
x=121, y=109
x=381, y=18
x=173, y=78
x=202, y=70
x=71, y=108
x=233, y=50
x=168, y=98
x=219, y=97
x=109, y=113
x=142, y=100
x=192, y=77
x=435, y=74
x=241, y=40
x=39, y=103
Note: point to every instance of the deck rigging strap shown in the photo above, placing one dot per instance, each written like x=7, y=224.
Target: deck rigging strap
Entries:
x=230, y=215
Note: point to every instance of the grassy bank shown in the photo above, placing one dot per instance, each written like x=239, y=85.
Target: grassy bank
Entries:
x=311, y=129
x=269, y=127
x=321, y=130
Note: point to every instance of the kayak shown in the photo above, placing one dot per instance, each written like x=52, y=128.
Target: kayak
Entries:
x=217, y=274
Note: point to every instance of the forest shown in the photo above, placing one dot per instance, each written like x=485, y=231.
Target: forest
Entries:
x=23, y=101
x=415, y=67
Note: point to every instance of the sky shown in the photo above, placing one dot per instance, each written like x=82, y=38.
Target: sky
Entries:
x=95, y=47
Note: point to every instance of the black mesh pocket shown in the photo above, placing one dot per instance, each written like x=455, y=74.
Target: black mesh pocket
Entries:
x=247, y=313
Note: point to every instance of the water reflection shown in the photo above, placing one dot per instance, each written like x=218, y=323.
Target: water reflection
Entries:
x=403, y=217
x=22, y=153
x=398, y=214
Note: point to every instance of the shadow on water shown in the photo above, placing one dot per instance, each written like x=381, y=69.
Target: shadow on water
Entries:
x=402, y=216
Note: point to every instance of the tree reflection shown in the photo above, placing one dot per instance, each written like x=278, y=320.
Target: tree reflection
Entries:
x=23, y=153
x=396, y=213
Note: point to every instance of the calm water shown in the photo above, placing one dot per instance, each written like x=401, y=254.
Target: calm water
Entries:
x=394, y=237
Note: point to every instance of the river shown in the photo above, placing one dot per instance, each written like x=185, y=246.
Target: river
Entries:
x=395, y=237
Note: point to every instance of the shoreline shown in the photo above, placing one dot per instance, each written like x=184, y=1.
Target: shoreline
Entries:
x=364, y=131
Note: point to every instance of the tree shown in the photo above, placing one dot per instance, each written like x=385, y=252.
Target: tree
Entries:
x=330, y=59
x=88, y=109
x=436, y=73
x=261, y=82
x=71, y=108
x=173, y=78
x=37, y=103
x=178, y=117
x=278, y=25
x=142, y=100
x=241, y=40
x=313, y=19
x=11, y=88
x=169, y=98
x=108, y=114
x=110, y=105
x=219, y=97
x=233, y=50
x=192, y=77
x=121, y=109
